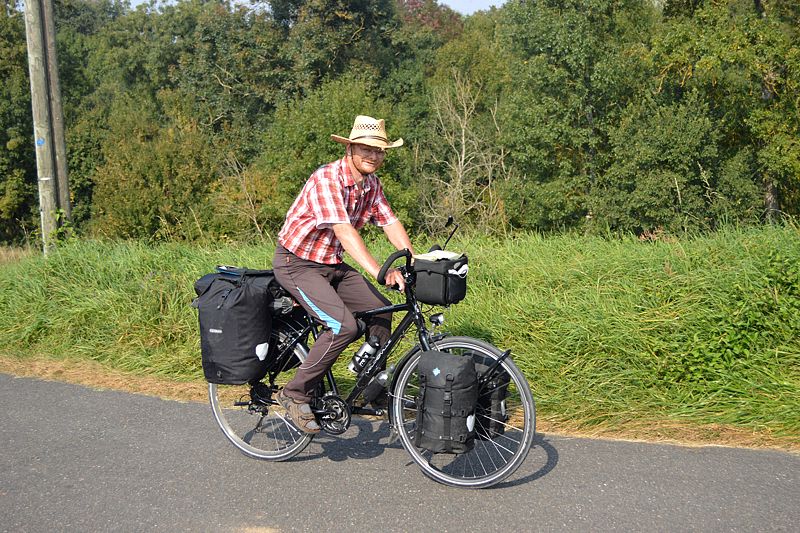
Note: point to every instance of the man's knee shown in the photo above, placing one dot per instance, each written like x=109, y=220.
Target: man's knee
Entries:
x=349, y=329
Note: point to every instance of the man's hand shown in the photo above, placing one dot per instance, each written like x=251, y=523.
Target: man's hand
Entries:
x=395, y=277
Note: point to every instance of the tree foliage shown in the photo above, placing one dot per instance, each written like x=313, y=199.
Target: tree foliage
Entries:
x=17, y=165
x=202, y=118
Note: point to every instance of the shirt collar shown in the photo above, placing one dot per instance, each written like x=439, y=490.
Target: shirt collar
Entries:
x=349, y=179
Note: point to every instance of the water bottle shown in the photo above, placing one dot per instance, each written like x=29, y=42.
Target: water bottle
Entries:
x=377, y=385
x=360, y=358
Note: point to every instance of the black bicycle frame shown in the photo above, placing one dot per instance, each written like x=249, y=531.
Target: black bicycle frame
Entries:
x=376, y=362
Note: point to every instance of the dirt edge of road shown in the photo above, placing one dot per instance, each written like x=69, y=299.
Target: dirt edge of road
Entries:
x=98, y=376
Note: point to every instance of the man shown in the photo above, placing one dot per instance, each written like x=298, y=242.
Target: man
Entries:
x=337, y=200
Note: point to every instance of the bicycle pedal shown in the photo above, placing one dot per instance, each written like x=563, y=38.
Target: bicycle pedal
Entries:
x=368, y=411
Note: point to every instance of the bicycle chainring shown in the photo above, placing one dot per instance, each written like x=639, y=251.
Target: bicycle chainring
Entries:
x=337, y=417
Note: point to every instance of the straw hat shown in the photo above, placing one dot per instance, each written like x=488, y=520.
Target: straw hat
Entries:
x=369, y=131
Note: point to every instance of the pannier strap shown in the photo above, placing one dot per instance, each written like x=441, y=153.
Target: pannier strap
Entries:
x=223, y=297
x=448, y=411
x=420, y=409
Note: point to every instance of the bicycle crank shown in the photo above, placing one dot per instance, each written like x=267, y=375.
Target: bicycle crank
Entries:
x=334, y=415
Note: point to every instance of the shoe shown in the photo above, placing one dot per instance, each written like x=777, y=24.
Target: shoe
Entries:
x=300, y=413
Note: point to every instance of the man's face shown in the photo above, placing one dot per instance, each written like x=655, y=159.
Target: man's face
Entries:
x=367, y=159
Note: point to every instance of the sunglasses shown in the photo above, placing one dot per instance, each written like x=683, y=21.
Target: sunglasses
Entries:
x=377, y=152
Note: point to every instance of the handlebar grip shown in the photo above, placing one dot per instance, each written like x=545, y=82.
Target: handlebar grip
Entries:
x=388, y=264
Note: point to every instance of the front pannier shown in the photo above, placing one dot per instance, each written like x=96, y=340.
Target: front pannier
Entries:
x=235, y=323
x=446, y=403
x=441, y=281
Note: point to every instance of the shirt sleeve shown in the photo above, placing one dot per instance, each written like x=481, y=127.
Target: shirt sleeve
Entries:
x=327, y=201
x=382, y=214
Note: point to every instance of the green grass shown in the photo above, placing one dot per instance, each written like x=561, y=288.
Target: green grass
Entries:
x=610, y=332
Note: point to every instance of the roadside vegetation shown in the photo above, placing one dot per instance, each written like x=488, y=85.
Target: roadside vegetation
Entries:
x=691, y=339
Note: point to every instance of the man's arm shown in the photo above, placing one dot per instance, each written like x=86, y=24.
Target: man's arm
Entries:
x=354, y=245
x=397, y=235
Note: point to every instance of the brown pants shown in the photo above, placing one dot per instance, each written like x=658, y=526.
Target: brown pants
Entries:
x=331, y=293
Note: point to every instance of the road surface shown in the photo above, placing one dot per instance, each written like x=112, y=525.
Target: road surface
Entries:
x=78, y=459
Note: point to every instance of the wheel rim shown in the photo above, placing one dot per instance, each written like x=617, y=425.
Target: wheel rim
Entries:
x=259, y=430
x=497, y=453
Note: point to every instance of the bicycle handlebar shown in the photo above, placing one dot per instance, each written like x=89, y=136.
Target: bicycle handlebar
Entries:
x=388, y=264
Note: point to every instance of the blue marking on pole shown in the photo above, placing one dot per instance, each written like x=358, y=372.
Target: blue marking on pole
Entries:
x=40, y=142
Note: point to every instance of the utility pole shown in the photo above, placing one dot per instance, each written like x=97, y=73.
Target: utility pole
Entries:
x=40, y=66
x=56, y=114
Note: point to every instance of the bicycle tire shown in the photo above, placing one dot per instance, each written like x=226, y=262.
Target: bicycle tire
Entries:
x=259, y=430
x=494, y=457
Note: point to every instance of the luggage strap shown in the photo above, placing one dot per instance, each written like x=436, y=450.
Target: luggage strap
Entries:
x=447, y=412
x=420, y=410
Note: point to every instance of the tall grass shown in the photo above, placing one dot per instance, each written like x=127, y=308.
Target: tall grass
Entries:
x=10, y=254
x=608, y=331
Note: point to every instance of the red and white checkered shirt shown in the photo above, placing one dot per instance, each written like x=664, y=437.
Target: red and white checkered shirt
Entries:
x=329, y=197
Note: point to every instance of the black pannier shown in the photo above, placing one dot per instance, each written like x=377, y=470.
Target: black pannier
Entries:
x=442, y=281
x=235, y=323
x=490, y=413
x=446, y=403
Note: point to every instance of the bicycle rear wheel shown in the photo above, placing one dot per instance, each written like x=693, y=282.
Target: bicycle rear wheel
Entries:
x=253, y=421
x=505, y=431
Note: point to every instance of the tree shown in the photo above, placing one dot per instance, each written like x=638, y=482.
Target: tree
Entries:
x=743, y=56
x=323, y=39
x=662, y=172
x=18, y=213
x=462, y=159
x=466, y=179
x=429, y=14
x=155, y=181
x=574, y=62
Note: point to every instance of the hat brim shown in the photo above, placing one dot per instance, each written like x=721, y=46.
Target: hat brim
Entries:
x=376, y=143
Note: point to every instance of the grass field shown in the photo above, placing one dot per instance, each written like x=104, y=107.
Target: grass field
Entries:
x=692, y=340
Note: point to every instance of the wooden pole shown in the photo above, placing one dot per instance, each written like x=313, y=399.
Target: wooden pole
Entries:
x=56, y=113
x=43, y=141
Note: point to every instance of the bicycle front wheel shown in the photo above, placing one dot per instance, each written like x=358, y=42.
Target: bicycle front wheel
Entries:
x=251, y=419
x=506, y=420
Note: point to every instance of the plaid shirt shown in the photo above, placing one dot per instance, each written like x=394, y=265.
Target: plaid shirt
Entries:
x=330, y=196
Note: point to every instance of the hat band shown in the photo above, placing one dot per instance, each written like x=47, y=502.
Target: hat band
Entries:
x=376, y=137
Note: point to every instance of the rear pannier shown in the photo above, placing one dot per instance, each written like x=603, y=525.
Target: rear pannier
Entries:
x=235, y=323
x=441, y=277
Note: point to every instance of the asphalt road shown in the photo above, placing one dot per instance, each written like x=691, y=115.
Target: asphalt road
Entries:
x=77, y=459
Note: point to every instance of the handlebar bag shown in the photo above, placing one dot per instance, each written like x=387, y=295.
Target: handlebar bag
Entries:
x=235, y=323
x=442, y=281
x=490, y=413
x=446, y=403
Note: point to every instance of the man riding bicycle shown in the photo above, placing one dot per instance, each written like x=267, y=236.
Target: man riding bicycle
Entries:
x=323, y=222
